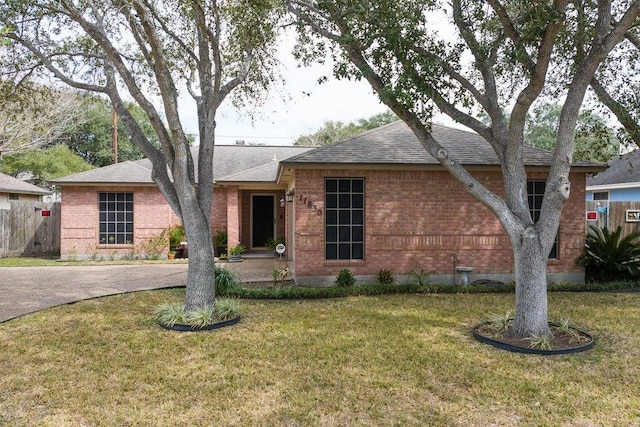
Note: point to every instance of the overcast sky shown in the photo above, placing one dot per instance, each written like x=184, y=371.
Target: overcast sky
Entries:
x=308, y=103
x=279, y=121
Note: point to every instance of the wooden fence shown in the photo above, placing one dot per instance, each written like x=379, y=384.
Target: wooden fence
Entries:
x=613, y=214
x=30, y=228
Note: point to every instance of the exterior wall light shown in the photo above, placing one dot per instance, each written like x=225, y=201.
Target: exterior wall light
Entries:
x=290, y=195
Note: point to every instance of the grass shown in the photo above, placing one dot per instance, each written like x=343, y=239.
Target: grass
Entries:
x=381, y=360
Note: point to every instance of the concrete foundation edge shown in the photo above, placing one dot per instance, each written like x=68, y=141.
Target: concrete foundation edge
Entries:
x=323, y=281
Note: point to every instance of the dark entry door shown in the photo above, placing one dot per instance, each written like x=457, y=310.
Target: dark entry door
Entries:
x=263, y=218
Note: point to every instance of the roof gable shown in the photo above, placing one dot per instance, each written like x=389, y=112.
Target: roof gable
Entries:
x=251, y=163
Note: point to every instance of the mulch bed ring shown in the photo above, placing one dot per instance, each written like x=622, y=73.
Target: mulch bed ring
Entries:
x=505, y=344
x=188, y=328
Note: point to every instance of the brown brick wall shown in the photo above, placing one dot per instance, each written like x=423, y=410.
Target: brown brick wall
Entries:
x=79, y=221
x=418, y=219
x=152, y=214
x=234, y=208
x=219, y=210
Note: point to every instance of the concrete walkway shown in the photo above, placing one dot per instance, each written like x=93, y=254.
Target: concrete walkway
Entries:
x=26, y=290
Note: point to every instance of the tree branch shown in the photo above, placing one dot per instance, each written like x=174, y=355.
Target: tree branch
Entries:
x=48, y=64
x=485, y=62
x=621, y=113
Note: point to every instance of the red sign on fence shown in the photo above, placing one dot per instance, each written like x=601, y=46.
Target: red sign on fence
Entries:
x=45, y=213
x=592, y=215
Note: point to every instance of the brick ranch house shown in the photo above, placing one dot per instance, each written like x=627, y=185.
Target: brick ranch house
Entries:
x=371, y=202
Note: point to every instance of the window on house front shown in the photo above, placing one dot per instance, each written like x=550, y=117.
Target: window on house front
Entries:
x=14, y=196
x=600, y=195
x=344, y=218
x=116, y=218
x=535, y=191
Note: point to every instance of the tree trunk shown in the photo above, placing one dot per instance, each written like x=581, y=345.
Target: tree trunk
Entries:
x=531, y=287
x=200, y=287
x=200, y=290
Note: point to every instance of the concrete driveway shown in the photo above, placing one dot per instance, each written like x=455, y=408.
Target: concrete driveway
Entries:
x=25, y=290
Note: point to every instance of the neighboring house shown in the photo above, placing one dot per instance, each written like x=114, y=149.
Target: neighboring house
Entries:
x=375, y=201
x=620, y=182
x=15, y=190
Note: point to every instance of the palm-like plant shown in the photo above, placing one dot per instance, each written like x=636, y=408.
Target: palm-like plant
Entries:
x=610, y=257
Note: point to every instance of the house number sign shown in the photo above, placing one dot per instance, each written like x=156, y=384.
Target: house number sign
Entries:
x=310, y=205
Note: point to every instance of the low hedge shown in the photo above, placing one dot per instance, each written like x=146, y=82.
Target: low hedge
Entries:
x=304, y=292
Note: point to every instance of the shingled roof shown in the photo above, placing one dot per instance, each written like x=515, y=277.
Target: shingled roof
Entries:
x=9, y=184
x=393, y=144
x=138, y=172
x=231, y=163
x=396, y=144
x=623, y=171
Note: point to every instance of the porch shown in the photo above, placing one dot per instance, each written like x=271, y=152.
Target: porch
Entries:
x=257, y=267
x=253, y=217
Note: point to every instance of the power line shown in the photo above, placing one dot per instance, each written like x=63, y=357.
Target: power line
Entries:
x=255, y=136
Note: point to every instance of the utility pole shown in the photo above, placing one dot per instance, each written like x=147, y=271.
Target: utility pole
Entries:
x=114, y=122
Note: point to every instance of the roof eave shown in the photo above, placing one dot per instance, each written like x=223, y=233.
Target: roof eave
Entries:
x=95, y=183
x=620, y=186
x=30, y=193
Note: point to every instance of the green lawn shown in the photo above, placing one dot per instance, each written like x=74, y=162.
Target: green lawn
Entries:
x=357, y=361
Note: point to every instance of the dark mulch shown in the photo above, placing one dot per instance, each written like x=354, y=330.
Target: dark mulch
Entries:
x=562, y=341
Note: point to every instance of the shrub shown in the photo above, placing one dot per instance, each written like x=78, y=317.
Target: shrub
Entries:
x=272, y=243
x=157, y=244
x=345, y=278
x=226, y=308
x=385, y=277
x=279, y=275
x=220, y=238
x=220, y=243
x=227, y=282
x=176, y=235
x=420, y=278
x=201, y=317
x=237, y=249
x=498, y=324
x=541, y=342
x=335, y=291
x=609, y=257
x=170, y=314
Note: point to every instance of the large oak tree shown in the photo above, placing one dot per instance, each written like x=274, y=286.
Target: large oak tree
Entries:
x=500, y=58
x=149, y=52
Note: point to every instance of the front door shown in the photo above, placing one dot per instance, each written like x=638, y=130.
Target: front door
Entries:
x=262, y=220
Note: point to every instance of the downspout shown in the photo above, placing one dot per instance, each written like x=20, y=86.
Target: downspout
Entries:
x=455, y=263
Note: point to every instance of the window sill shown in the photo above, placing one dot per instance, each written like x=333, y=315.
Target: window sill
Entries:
x=346, y=262
x=114, y=246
